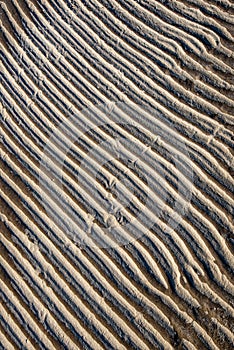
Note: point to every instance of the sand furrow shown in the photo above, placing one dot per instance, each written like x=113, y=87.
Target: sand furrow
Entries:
x=38, y=152
x=5, y=343
x=22, y=135
x=14, y=331
x=138, y=318
x=216, y=10
x=157, y=76
x=182, y=295
x=79, y=86
x=186, y=17
x=203, y=153
x=197, y=328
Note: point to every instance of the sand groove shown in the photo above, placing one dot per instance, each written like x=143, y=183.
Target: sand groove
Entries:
x=172, y=288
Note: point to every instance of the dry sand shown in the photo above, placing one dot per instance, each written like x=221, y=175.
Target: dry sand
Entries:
x=117, y=174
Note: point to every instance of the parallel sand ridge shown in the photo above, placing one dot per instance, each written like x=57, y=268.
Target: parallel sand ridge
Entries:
x=170, y=289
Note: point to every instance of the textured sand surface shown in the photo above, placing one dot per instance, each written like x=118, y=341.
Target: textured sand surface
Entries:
x=169, y=284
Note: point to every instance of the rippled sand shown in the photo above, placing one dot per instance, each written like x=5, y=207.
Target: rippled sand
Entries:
x=117, y=174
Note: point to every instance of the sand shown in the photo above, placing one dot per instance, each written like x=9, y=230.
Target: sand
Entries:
x=117, y=174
